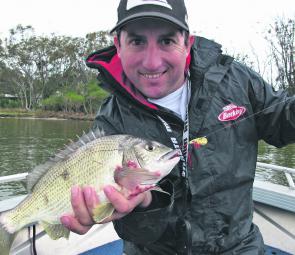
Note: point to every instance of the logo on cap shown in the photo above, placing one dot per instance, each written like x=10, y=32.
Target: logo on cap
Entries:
x=231, y=112
x=134, y=3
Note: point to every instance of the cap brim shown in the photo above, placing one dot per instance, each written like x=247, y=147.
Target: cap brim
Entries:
x=143, y=15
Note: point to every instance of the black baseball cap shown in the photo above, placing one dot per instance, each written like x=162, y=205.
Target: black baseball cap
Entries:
x=173, y=11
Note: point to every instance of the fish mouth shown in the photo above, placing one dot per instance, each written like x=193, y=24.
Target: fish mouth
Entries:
x=170, y=155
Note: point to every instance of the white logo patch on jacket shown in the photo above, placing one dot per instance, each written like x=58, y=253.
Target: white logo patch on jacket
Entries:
x=231, y=112
x=134, y=3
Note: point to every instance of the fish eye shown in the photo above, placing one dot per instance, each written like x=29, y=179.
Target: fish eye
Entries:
x=149, y=147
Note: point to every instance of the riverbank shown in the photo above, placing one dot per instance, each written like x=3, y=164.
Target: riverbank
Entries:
x=21, y=113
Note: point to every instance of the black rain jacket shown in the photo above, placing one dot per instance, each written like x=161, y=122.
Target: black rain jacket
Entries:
x=234, y=108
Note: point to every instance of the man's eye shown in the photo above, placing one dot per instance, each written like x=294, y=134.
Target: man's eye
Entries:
x=167, y=41
x=136, y=42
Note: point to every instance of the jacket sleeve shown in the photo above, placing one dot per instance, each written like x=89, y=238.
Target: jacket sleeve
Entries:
x=274, y=112
x=148, y=225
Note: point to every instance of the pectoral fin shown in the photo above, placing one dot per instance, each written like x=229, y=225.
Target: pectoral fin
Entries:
x=157, y=188
x=131, y=177
x=55, y=231
x=102, y=211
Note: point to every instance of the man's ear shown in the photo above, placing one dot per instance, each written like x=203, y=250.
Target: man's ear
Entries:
x=117, y=45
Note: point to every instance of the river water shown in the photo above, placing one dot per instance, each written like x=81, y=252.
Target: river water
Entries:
x=25, y=143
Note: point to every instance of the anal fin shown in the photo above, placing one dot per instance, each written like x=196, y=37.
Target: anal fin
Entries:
x=55, y=231
x=102, y=211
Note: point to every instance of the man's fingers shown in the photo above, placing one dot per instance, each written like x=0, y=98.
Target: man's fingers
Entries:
x=91, y=199
x=79, y=207
x=71, y=223
x=120, y=202
x=85, y=200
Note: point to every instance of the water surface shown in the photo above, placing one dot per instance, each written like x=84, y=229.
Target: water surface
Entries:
x=25, y=143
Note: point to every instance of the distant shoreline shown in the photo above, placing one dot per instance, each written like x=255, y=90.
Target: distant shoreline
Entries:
x=20, y=113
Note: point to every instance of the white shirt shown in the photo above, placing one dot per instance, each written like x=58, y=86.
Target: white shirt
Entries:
x=176, y=101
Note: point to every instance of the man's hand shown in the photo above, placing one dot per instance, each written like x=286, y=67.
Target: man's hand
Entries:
x=85, y=200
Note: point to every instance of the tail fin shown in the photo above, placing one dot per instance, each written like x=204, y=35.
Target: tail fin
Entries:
x=6, y=240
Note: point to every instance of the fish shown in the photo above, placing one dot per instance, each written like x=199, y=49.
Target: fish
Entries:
x=129, y=163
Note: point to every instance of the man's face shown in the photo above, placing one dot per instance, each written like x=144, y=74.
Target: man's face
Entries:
x=153, y=55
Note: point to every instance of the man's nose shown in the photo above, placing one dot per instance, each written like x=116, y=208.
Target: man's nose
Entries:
x=152, y=58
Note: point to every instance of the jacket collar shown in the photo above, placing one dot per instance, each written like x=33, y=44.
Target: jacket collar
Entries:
x=204, y=54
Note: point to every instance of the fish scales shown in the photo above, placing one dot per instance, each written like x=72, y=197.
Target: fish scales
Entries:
x=123, y=161
x=79, y=171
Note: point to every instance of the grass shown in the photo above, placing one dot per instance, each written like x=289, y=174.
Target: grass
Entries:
x=15, y=112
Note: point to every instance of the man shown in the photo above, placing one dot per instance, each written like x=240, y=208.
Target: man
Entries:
x=169, y=86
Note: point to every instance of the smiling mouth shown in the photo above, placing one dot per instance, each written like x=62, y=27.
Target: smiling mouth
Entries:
x=152, y=75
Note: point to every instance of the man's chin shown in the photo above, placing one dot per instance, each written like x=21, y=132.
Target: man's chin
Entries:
x=154, y=95
x=153, y=92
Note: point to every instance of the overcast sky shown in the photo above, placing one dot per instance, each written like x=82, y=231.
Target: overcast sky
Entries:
x=234, y=23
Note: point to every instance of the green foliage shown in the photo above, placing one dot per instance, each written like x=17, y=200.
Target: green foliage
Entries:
x=74, y=98
x=95, y=92
x=9, y=103
x=74, y=101
x=53, y=103
x=94, y=96
x=87, y=99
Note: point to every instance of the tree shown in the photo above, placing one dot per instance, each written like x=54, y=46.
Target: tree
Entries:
x=281, y=37
x=94, y=96
x=3, y=85
x=37, y=67
x=2, y=64
x=74, y=101
x=21, y=61
x=97, y=40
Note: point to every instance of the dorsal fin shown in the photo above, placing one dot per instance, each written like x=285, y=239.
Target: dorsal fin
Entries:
x=37, y=172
